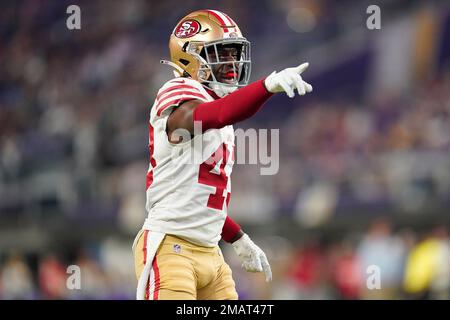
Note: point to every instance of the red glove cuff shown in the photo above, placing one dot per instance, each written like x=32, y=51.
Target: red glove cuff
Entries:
x=230, y=229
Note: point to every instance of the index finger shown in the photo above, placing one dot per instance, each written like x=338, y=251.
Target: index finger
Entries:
x=302, y=67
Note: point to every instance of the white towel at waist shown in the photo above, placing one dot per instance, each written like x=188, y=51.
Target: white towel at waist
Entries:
x=154, y=240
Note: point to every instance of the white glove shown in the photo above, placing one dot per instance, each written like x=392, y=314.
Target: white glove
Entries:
x=288, y=80
x=252, y=257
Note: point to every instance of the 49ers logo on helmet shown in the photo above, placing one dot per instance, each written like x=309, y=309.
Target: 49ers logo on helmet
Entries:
x=187, y=28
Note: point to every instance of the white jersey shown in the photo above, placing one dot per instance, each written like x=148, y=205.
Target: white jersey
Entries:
x=188, y=184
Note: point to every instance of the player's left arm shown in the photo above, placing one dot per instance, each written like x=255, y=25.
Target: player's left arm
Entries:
x=252, y=257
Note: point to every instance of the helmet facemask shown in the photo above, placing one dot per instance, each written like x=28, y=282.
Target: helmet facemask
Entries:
x=224, y=65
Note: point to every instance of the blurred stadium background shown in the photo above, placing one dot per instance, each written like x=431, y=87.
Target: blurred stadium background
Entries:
x=364, y=161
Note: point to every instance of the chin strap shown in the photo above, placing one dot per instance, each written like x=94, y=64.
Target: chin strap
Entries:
x=178, y=70
x=222, y=90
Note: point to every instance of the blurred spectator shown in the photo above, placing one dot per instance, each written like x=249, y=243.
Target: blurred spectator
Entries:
x=386, y=251
x=440, y=285
x=345, y=272
x=427, y=268
x=16, y=279
x=52, y=278
x=308, y=271
x=93, y=279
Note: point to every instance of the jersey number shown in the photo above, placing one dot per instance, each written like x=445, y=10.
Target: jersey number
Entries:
x=218, y=180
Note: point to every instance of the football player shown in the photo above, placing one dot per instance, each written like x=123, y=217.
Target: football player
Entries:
x=176, y=253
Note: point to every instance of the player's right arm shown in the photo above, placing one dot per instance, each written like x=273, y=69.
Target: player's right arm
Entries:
x=239, y=105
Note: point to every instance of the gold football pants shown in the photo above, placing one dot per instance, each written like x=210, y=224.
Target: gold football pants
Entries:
x=184, y=271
